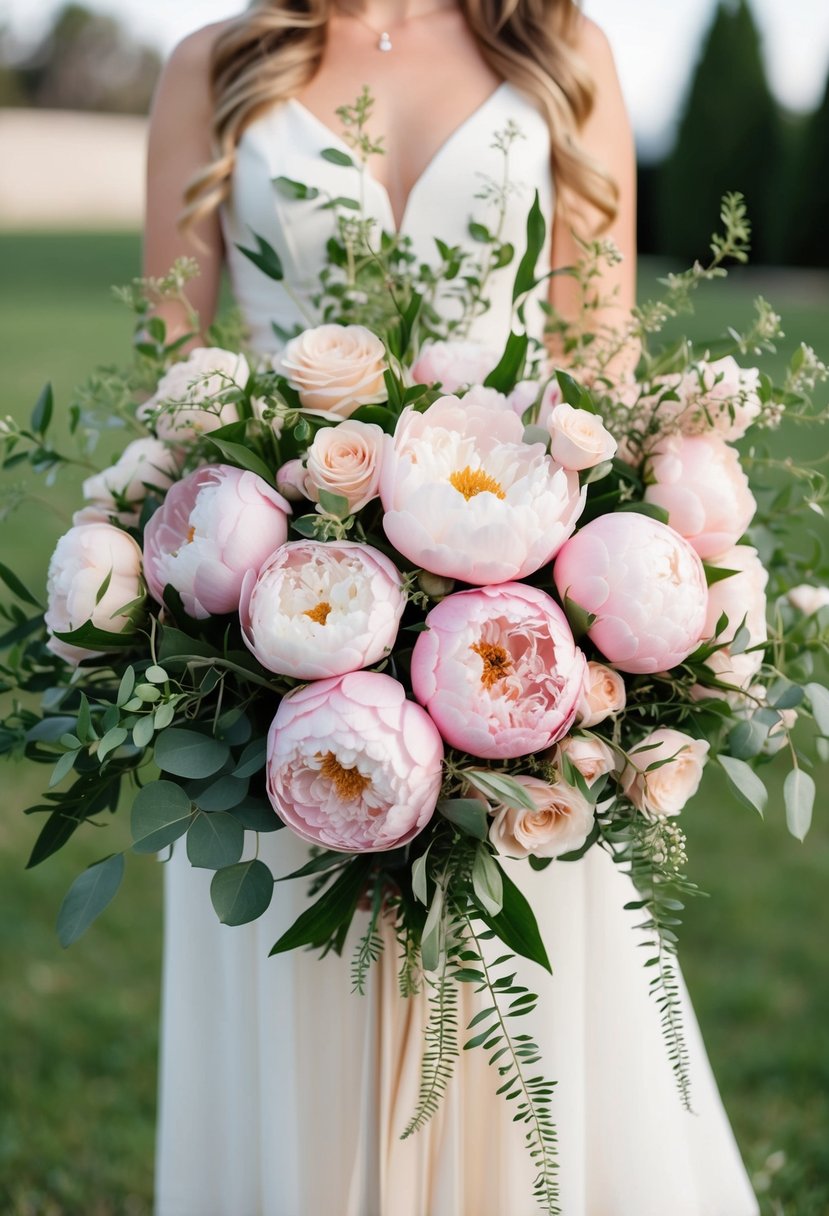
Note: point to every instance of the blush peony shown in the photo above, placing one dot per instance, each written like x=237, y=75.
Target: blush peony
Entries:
x=352, y=765
x=561, y=822
x=498, y=670
x=144, y=465
x=213, y=527
x=318, y=610
x=345, y=459
x=87, y=559
x=644, y=584
x=188, y=400
x=466, y=498
x=742, y=599
x=454, y=364
x=335, y=368
x=698, y=480
x=664, y=771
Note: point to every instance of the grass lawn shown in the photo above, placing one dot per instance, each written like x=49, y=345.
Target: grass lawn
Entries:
x=78, y=1030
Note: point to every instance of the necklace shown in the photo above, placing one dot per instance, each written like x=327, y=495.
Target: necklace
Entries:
x=384, y=42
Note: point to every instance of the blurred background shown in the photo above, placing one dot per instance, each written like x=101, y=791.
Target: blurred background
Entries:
x=723, y=96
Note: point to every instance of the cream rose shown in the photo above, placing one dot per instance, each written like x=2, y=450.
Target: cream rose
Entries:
x=592, y=757
x=808, y=599
x=335, y=368
x=662, y=791
x=345, y=459
x=188, y=400
x=580, y=440
x=561, y=822
x=603, y=694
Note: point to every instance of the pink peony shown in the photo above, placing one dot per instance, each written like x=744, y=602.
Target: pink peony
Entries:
x=466, y=498
x=352, y=765
x=645, y=585
x=188, y=401
x=454, y=364
x=742, y=599
x=345, y=460
x=561, y=822
x=318, y=610
x=498, y=670
x=213, y=527
x=699, y=482
x=86, y=560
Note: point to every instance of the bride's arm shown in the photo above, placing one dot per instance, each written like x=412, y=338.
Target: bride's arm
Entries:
x=179, y=145
x=608, y=139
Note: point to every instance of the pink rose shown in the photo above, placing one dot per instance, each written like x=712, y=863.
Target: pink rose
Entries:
x=86, y=560
x=121, y=489
x=561, y=822
x=188, y=400
x=213, y=527
x=603, y=694
x=335, y=368
x=644, y=584
x=290, y=481
x=454, y=364
x=317, y=610
x=664, y=771
x=345, y=459
x=742, y=599
x=466, y=498
x=498, y=670
x=352, y=765
x=580, y=440
x=592, y=757
x=699, y=482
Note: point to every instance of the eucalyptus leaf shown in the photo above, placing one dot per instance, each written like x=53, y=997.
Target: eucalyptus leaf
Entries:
x=88, y=896
x=420, y=886
x=142, y=732
x=468, y=814
x=161, y=813
x=819, y=701
x=186, y=753
x=748, y=738
x=487, y=882
x=223, y=794
x=214, y=840
x=336, y=156
x=431, y=943
x=745, y=783
x=799, y=797
x=500, y=787
x=257, y=815
x=241, y=892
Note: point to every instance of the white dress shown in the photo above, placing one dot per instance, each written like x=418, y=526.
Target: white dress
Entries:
x=282, y=1093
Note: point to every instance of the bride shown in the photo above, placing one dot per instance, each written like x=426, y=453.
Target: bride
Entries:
x=283, y=1094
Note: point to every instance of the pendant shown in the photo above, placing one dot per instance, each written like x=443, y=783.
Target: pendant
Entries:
x=384, y=43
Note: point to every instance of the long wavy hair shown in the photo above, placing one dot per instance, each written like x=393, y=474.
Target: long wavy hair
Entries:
x=271, y=51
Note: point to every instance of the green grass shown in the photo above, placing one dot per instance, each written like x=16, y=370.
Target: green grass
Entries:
x=78, y=1029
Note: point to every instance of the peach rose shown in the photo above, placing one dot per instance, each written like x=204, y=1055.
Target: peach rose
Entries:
x=658, y=792
x=603, y=694
x=561, y=822
x=345, y=459
x=580, y=440
x=592, y=757
x=335, y=368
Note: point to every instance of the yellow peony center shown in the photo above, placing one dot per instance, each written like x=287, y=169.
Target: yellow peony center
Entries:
x=348, y=782
x=319, y=612
x=470, y=482
x=497, y=663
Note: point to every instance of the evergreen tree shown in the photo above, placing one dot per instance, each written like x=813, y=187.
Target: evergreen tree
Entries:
x=807, y=227
x=729, y=138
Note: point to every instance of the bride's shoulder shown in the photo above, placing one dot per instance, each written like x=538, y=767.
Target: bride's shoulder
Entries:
x=188, y=66
x=591, y=42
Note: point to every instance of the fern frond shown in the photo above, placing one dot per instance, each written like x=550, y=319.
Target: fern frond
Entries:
x=441, y=1047
x=370, y=946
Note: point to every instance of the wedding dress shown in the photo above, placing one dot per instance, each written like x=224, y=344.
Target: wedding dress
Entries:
x=282, y=1092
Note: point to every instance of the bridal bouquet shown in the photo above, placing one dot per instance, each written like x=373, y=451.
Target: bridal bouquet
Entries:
x=428, y=605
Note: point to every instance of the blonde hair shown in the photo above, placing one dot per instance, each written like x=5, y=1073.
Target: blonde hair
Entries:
x=270, y=52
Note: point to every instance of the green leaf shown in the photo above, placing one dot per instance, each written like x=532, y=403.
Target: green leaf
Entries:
x=90, y=637
x=221, y=795
x=243, y=458
x=161, y=813
x=420, y=886
x=337, y=157
x=42, y=412
x=819, y=701
x=580, y=620
x=381, y=415
x=334, y=504
x=479, y=232
x=64, y=765
x=16, y=587
x=265, y=258
x=291, y=189
x=516, y=925
x=156, y=674
x=335, y=907
x=716, y=574
x=486, y=881
x=88, y=896
x=745, y=783
x=111, y=741
x=574, y=393
x=468, y=814
x=645, y=508
x=257, y=815
x=186, y=753
x=214, y=840
x=125, y=687
x=536, y=234
x=318, y=865
x=252, y=759
x=57, y=829
x=499, y=787
x=241, y=892
x=432, y=940
x=748, y=739
x=511, y=364
x=142, y=732
x=799, y=797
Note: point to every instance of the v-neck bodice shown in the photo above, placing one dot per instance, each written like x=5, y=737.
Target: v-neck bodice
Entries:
x=286, y=141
